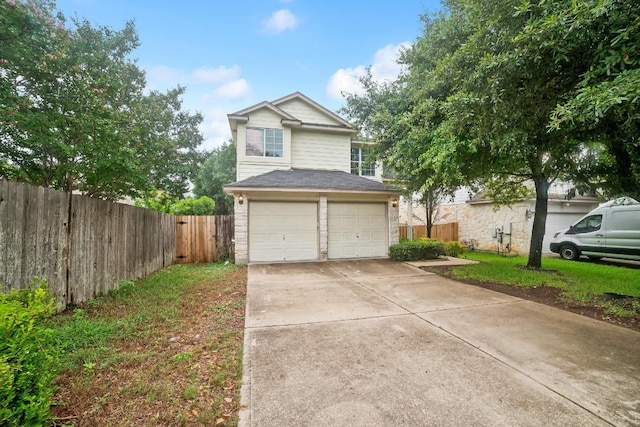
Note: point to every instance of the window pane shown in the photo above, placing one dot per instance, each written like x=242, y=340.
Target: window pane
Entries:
x=273, y=142
x=355, y=161
x=354, y=168
x=368, y=169
x=368, y=163
x=355, y=154
x=255, y=145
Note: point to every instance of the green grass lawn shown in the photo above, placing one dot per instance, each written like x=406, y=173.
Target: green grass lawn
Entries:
x=580, y=281
x=164, y=350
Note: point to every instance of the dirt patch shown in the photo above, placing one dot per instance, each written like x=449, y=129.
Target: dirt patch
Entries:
x=184, y=372
x=548, y=296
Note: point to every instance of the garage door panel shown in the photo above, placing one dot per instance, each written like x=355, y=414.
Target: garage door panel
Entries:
x=357, y=230
x=283, y=231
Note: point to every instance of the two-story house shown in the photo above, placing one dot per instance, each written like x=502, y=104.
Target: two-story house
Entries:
x=305, y=189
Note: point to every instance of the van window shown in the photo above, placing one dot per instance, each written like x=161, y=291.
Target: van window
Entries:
x=626, y=220
x=588, y=224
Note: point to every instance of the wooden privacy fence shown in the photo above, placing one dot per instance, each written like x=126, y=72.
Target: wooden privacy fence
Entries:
x=82, y=246
x=445, y=232
x=201, y=239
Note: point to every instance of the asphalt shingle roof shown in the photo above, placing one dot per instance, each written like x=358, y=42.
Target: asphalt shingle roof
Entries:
x=312, y=179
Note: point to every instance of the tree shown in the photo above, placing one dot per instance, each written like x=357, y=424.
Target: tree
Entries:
x=483, y=84
x=500, y=105
x=400, y=118
x=217, y=170
x=74, y=115
x=163, y=202
x=605, y=102
x=523, y=60
x=157, y=201
x=190, y=206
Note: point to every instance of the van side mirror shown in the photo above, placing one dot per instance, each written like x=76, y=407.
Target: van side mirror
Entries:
x=572, y=230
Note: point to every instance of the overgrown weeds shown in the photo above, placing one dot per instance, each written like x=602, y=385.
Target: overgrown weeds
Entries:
x=156, y=352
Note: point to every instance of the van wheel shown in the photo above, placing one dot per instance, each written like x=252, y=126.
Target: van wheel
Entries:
x=569, y=252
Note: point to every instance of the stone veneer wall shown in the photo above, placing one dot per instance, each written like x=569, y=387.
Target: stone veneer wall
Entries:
x=476, y=222
x=241, y=236
x=394, y=215
x=324, y=229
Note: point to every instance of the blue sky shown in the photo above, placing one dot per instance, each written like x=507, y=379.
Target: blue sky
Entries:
x=233, y=54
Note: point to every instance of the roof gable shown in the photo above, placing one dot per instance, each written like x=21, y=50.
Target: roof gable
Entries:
x=264, y=104
x=296, y=110
x=302, y=99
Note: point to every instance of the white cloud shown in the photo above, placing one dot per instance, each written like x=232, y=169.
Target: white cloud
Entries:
x=345, y=80
x=216, y=75
x=384, y=68
x=235, y=89
x=215, y=128
x=280, y=21
x=385, y=65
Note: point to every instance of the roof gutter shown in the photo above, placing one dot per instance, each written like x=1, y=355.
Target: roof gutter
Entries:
x=233, y=190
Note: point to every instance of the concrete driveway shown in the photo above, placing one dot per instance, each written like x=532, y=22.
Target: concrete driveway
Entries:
x=378, y=343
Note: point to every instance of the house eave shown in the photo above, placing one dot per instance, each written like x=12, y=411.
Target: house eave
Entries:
x=238, y=190
x=327, y=128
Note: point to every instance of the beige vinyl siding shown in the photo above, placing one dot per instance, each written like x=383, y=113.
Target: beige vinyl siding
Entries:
x=264, y=118
x=247, y=170
x=306, y=113
x=314, y=150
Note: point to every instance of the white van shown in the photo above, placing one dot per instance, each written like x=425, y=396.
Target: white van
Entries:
x=611, y=230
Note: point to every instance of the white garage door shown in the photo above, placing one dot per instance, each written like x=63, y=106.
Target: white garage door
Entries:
x=557, y=222
x=357, y=230
x=283, y=231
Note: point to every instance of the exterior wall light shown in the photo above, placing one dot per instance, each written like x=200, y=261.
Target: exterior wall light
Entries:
x=240, y=199
x=394, y=203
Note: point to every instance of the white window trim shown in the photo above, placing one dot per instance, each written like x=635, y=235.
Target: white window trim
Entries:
x=371, y=167
x=264, y=143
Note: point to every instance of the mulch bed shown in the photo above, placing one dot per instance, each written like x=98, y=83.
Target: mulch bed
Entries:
x=548, y=296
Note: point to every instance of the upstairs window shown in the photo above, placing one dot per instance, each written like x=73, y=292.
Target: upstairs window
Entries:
x=264, y=142
x=362, y=161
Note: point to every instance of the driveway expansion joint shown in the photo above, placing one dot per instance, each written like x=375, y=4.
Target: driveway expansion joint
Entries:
x=463, y=307
x=324, y=322
x=518, y=370
x=504, y=360
x=475, y=347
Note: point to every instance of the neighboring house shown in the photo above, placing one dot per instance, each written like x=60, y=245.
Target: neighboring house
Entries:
x=306, y=189
x=482, y=224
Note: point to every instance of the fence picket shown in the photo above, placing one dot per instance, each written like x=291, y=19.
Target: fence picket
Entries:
x=445, y=232
x=202, y=239
x=82, y=251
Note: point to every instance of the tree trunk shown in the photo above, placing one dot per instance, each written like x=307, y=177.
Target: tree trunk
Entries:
x=429, y=224
x=539, y=222
x=430, y=203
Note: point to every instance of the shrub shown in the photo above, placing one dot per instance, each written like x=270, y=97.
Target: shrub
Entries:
x=453, y=248
x=27, y=363
x=416, y=250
